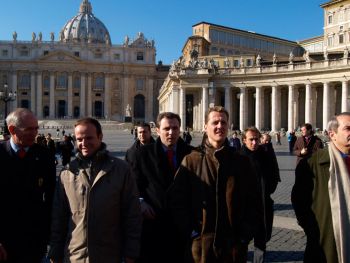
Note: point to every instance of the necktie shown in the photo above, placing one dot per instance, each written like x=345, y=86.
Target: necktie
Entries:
x=170, y=155
x=21, y=153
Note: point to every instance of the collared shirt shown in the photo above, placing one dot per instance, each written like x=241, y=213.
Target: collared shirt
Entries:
x=15, y=147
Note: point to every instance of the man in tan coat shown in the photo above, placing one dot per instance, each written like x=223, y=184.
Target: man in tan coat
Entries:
x=96, y=211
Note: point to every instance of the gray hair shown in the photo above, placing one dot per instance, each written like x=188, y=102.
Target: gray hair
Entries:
x=16, y=117
x=333, y=124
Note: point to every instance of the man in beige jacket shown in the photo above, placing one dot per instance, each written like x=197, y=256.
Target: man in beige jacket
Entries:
x=96, y=211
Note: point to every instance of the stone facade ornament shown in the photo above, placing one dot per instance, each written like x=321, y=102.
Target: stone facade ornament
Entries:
x=241, y=62
x=307, y=56
x=291, y=57
x=52, y=36
x=274, y=59
x=126, y=41
x=258, y=60
x=128, y=111
x=14, y=35
x=40, y=37
x=227, y=62
x=33, y=37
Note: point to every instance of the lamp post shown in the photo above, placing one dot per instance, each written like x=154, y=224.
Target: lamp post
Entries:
x=6, y=96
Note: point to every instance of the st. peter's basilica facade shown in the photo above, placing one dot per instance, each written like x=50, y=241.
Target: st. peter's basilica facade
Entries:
x=81, y=73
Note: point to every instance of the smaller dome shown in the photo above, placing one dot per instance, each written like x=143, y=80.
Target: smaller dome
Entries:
x=85, y=27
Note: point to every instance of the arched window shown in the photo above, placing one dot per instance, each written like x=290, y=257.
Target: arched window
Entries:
x=46, y=111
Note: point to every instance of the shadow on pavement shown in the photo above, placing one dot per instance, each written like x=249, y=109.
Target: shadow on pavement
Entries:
x=280, y=256
x=282, y=207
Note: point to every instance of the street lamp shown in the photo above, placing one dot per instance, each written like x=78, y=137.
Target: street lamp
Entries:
x=6, y=96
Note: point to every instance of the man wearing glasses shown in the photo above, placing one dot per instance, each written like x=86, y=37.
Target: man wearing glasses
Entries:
x=27, y=183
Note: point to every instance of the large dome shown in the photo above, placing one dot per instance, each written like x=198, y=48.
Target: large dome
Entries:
x=85, y=27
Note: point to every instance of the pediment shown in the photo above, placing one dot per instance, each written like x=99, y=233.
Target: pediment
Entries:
x=59, y=56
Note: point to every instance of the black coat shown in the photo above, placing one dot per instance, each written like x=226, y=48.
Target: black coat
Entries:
x=266, y=167
x=130, y=156
x=26, y=191
x=159, y=242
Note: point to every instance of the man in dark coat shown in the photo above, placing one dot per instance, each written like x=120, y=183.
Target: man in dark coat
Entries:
x=144, y=137
x=266, y=168
x=213, y=198
x=27, y=182
x=66, y=149
x=306, y=144
x=154, y=169
x=321, y=196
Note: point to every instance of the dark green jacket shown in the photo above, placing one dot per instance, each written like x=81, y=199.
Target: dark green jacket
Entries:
x=311, y=203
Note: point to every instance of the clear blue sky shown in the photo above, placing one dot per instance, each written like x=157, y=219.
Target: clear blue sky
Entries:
x=169, y=23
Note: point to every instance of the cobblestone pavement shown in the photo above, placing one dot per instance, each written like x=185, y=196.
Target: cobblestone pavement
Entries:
x=288, y=240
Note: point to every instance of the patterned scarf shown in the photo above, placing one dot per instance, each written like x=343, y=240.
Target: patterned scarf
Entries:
x=339, y=196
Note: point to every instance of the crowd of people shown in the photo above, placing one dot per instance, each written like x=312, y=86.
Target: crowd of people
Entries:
x=168, y=201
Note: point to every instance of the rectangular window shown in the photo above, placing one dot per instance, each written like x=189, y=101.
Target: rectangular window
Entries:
x=77, y=54
x=24, y=53
x=116, y=56
x=139, y=84
x=330, y=19
x=46, y=93
x=46, y=52
x=5, y=52
x=139, y=56
x=76, y=94
x=236, y=63
x=341, y=39
x=248, y=62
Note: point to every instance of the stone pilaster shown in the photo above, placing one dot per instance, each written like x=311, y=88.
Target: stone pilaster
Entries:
x=89, y=95
x=82, y=95
x=39, y=96
x=52, y=95
x=32, y=91
x=70, y=95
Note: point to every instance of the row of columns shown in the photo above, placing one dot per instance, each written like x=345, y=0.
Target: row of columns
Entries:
x=275, y=105
x=36, y=94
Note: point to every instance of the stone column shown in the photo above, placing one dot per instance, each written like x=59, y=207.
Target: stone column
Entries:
x=82, y=95
x=150, y=100
x=258, y=108
x=308, y=103
x=89, y=95
x=70, y=95
x=274, y=109
x=175, y=99
x=14, y=89
x=182, y=105
x=291, y=111
x=52, y=95
x=344, y=96
x=228, y=105
x=39, y=96
x=125, y=92
x=107, y=96
x=205, y=104
x=243, y=116
x=32, y=92
x=326, y=106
